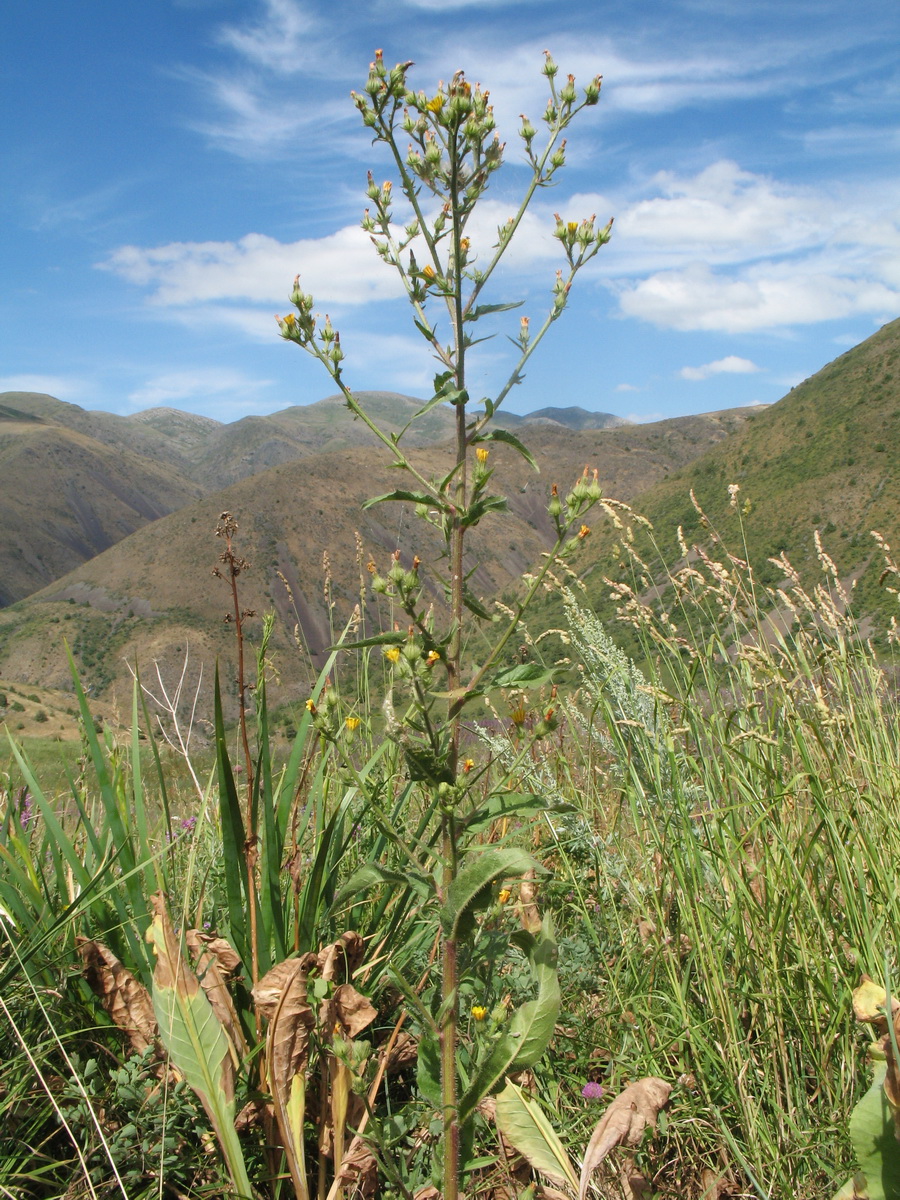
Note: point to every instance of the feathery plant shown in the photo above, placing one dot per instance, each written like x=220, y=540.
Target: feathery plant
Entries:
x=453, y=153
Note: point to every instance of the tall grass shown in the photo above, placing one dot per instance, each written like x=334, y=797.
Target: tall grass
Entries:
x=739, y=796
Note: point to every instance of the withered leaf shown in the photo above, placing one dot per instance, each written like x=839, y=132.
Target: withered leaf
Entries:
x=624, y=1123
x=342, y=957
x=125, y=998
x=268, y=992
x=526, y=907
x=359, y=1169
x=351, y=1009
x=404, y=1051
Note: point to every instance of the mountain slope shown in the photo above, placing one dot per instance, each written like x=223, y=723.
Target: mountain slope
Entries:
x=826, y=457
x=151, y=595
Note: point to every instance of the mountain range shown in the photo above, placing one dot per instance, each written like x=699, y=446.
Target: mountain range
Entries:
x=114, y=551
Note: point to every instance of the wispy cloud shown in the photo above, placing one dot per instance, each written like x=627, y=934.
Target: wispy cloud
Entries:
x=280, y=41
x=201, y=383
x=730, y=365
x=63, y=387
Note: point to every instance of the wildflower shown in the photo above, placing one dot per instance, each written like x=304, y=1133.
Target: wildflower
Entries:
x=188, y=824
x=592, y=1090
x=393, y=653
x=479, y=1012
x=428, y=271
x=482, y=454
x=468, y=765
x=584, y=532
x=433, y=657
x=503, y=895
x=352, y=723
x=311, y=706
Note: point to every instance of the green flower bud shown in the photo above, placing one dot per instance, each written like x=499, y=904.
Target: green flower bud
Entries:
x=592, y=91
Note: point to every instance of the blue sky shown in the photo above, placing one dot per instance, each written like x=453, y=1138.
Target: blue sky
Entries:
x=169, y=167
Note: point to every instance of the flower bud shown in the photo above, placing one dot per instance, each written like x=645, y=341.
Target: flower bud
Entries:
x=549, y=68
x=592, y=91
x=568, y=95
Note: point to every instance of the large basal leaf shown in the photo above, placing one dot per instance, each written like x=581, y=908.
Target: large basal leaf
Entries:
x=877, y=1150
x=522, y=1122
x=197, y=1044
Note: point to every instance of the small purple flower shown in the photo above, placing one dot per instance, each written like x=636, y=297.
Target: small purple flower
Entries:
x=188, y=824
x=26, y=812
x=591, y=1090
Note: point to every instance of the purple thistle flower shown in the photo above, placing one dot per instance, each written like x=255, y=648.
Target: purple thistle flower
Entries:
x=592, y=1090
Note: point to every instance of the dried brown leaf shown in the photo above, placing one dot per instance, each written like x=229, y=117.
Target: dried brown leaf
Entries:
x=359, y=1169
x=268, y=992
x=529, y=914
x=404, y=1051
x=624, y=1123
x=342, y=957
x=351, y=1009
x=125, y=998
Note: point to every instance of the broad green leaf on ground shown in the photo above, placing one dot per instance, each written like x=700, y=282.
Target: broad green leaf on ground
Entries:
x=624, y=1123
x=197, y=1044
x=522, y=1122
x=877, y=1150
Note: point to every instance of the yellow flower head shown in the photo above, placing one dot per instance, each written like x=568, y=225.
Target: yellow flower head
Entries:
x=482, y=454
x=432, y=658
x=468, y=765
x=311, y=706
x=479, y=1012
x=352, y=723
x=584, y=531
x=503, y=895
x=436, y=103
x=393, y=653
x=428, y=271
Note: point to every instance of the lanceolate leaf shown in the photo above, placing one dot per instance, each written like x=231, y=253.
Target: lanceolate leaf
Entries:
x=402, y=494
x=196, y=1042
x=125, y=999
x=527, y=675
x=510, y=439
x=522, y=1122
x=479, y=872
x=529, y=1031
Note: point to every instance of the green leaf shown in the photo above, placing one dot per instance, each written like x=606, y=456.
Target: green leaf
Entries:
x=403, y=495
x=530, y=1028
x=428, y=1069
x=484, y=310
x=474, y=605
x=195, y=1040
x=480, y=871
x=872, y=1133
x=480, y=507
x=528, y=675
x=370, y=875
x=522, y=1122
x=377, y=639
x=512, y=804
x=509, y=439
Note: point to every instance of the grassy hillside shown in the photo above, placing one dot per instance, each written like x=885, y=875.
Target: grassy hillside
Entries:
x=152, y=595
x=826, y=457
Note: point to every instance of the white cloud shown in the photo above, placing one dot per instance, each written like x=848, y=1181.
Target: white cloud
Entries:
x=626, y=387
x=199, y=383
x=341, y=268
x=765, y=297
x=730, y=365
x=63, y=387
x=279, y=42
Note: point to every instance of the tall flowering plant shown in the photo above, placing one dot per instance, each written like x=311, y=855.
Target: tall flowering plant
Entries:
x=445, y=150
